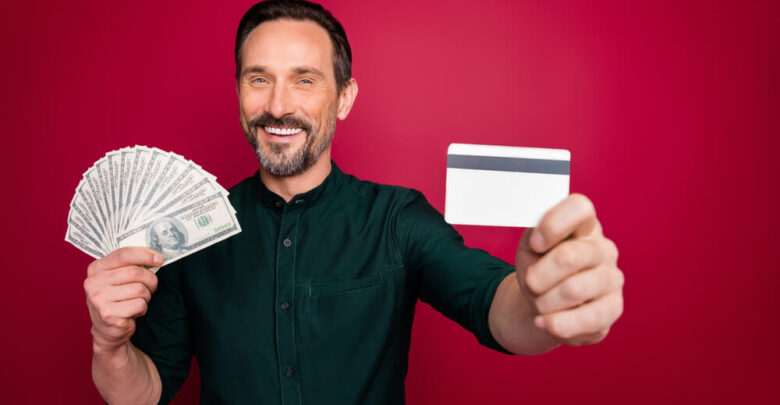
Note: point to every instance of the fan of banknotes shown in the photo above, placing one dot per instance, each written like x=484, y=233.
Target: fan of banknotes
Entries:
x=139, y=196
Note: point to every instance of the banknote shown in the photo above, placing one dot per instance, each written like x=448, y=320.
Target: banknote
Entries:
x=186, y=230
x=142, y=196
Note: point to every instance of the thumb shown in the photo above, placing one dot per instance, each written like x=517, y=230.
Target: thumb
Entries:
x=526, y=256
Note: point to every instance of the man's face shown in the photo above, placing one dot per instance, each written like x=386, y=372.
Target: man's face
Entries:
x=166, y=235
x=287, y=94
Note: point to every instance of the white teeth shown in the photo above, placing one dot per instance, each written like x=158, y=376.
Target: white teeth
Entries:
x=282, y=131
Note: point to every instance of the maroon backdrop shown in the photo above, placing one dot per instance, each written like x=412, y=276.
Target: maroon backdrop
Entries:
x=666, y=106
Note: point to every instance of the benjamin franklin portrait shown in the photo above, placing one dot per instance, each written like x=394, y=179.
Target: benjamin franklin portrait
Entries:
x=167, y=236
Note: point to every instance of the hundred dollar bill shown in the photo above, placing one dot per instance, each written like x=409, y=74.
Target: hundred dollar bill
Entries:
x=186, y=230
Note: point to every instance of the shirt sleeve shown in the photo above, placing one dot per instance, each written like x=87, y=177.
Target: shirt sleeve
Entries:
x=163, y=333
x=456, y=280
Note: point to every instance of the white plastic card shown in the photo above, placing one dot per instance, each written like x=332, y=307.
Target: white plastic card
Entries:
x=504, y=185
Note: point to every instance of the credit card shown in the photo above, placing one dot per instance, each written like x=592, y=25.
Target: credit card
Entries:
x=504, y=185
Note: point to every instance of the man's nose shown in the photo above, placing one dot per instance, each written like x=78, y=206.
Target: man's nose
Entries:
x=280, y=103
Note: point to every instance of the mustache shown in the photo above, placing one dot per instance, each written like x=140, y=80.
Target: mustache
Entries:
x=267, y=119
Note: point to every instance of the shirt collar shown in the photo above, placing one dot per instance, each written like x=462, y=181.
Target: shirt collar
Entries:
x=271, y=199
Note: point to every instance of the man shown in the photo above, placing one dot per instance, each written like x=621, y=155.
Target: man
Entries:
x=166, y=237
x=313, y=302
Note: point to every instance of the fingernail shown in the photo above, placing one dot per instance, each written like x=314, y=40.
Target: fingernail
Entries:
x=158, y=259
x=539, y=322
x=537, y=241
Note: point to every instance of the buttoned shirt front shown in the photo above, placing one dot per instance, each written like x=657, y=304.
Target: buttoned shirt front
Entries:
x=313, y=302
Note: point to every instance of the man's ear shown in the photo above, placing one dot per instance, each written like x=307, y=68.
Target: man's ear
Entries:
x=347, y=98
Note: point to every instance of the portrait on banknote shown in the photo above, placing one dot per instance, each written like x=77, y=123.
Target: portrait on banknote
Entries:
x=167, y=236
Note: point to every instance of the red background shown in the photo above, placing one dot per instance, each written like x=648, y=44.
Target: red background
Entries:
x=667, y=107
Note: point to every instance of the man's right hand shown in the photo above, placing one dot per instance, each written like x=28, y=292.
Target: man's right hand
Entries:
x=118, y=289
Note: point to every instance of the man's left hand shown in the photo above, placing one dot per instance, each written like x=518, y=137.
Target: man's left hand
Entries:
x=568, y=272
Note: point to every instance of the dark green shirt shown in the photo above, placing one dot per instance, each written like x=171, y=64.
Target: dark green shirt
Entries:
x=313, y=302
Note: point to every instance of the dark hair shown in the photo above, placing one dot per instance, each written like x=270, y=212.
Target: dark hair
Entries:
x=299, y=10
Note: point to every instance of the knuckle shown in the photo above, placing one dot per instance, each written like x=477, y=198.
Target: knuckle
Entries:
x=139, y=290
x=572, y=292
x=584, y=202
x=135, y=272
x=611, y=249
x=586, y=323
x=566, y=256
x=552, y=229
x=533, y=284
x=96, y=297
x=122, y=255
x=140, y=307
x=558, y=328
x=88, y=286
x=592, y=320
x=121, y=323
x=620, y=279
x=104, y=313
x=92, y=267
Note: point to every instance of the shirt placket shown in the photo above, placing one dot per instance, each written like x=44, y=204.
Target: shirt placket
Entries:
x=285, y=276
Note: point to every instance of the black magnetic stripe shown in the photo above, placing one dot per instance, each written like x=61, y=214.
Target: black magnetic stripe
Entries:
x=508, y=164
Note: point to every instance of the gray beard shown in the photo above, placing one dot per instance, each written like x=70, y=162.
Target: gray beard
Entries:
x=276, y=163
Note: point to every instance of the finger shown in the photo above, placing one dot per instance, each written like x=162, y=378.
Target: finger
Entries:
x=569, y=257
x=133, y=255
x=134, y=274
x=525, y=255
x=580, y=288
x=588, y=339
x=117, y=314
x=586, y=319
x=131, y=308
x=126, y=292
x=574, y=216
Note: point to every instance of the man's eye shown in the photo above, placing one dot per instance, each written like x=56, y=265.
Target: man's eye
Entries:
x=305, y=81
x=258, y=80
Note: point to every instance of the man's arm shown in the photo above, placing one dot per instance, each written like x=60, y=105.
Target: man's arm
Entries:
x=567, y=288
x=118, y=290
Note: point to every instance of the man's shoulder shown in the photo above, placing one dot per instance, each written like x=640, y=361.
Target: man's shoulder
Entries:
x=239, y=191
x=373, y=191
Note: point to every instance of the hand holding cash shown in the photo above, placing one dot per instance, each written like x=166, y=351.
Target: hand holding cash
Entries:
x=134, y=210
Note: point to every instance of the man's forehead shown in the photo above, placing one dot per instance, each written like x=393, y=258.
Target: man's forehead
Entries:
x=288, y=44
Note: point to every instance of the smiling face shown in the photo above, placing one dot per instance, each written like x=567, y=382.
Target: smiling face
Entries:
x=287, y=95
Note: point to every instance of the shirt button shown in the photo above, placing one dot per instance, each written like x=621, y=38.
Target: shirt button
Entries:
x=278, y=204
x=287, y=242
x=299, y=201
x=284, y=305
x=289, y=373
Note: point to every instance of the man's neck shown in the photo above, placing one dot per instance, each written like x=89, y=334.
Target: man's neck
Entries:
x=290, y=186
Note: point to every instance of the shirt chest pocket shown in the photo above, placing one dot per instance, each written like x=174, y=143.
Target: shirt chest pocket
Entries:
x=354, y=286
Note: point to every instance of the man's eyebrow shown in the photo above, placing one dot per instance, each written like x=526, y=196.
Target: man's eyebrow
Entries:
x=302, y=70
x=308, y=70
x=253, y=69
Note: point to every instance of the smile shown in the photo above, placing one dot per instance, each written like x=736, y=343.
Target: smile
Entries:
x=282, y=131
